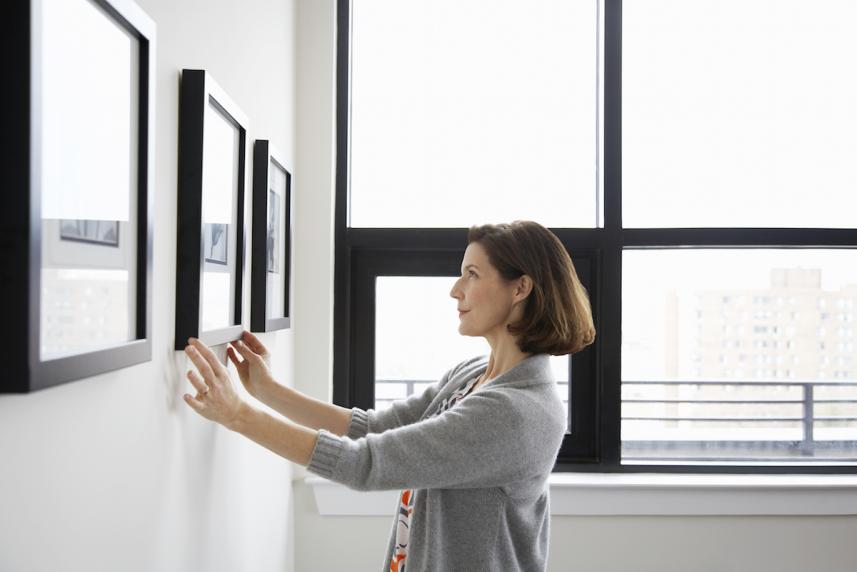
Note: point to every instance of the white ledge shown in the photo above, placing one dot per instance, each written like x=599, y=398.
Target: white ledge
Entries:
x=581, y=494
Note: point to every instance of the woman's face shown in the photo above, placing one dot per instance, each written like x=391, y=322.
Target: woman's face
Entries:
x=485, y=300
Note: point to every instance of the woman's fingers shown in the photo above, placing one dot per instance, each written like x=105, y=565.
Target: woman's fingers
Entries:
x=233, y=357
x=255, y=343
x=197, y=382
x=244, y=350
x=241, y=365
x=194, y=403
x=200, y=362
x=207, y=354
x=217, y=399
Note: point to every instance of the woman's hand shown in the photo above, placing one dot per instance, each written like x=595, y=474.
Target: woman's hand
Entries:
x=254, y=364
x=216, y=397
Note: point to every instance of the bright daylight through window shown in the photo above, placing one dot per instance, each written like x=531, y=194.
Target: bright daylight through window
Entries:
x=453, y=127
x=695, y=157
x=739, y=355
x=738, y=113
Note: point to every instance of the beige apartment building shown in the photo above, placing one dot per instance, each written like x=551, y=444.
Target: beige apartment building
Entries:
x=791, y=330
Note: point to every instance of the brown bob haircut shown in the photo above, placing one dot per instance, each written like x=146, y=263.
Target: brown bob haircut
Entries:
x=557, y=316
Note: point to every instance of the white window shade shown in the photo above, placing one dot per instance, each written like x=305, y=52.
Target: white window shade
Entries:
x=472, y=112
x=739, y=113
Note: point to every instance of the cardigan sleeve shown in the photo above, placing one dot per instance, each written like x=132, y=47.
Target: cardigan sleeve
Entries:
x=491, y=438
x=402, y=412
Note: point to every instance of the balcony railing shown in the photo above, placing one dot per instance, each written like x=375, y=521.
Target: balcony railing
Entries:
x=762, y=433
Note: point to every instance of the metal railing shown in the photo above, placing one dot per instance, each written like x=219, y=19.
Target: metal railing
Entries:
x=807, y=447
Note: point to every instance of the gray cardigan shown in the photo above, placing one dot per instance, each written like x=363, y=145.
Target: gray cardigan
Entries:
x=479, y=469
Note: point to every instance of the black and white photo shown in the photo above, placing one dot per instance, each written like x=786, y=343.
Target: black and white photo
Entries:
x=216, y=243
x=104, y=232
x=273, y=246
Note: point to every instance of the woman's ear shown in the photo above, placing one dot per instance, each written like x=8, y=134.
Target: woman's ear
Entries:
x=524, y=287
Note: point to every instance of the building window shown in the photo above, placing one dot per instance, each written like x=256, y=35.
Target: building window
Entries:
x=477, y=108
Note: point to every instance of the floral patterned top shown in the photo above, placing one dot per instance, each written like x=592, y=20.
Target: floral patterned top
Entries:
x=406, y=499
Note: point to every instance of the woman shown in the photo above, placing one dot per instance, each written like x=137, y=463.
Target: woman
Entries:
x=471, y=454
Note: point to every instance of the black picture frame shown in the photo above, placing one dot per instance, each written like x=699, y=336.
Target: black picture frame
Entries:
x=265, y=157
x=21, y=224
x=198, y=90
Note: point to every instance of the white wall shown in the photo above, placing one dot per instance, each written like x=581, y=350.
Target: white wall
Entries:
x=116, y=472
x=603, y=543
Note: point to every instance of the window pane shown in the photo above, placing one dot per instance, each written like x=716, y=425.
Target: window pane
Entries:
x=417, y=339
x=739, y=355
x=739, y=113
x=453, y=127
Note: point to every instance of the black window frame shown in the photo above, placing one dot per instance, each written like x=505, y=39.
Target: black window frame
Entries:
x=362, y=254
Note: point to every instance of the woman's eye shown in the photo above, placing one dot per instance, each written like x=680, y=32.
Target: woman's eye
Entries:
x=472, y=273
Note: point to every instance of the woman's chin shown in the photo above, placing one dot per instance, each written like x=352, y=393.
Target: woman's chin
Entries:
x=465, y=331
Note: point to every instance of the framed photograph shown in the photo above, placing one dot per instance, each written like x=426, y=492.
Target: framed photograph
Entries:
x=75, y=230
x=273, y=243
x=105, y=232
x=216, y=240
x=210, y=247
x=270, y=295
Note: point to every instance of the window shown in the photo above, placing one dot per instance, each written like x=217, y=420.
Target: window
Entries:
x=727, y=418
x=452, y=126
x=730, y=108
x=704, y=198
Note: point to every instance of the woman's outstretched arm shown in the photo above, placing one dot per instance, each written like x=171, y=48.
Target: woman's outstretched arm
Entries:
x=252, y=366
x=218, y=400
x=306, y=410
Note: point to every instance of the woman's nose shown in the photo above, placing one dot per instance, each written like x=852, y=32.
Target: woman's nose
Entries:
x=454, y=290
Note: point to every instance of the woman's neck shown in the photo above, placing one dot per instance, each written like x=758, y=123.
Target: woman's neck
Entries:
x=505, y=354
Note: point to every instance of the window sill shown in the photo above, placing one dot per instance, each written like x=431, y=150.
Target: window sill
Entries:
x=588, y=494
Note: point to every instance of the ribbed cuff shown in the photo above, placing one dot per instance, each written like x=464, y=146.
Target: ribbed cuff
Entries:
x=359, y=424
x=328, y=448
